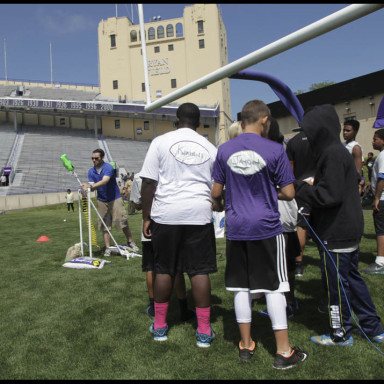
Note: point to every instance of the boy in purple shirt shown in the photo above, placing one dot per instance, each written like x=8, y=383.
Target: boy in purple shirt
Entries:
x=256, y=173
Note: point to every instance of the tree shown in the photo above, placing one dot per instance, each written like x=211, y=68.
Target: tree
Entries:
x=320, y=85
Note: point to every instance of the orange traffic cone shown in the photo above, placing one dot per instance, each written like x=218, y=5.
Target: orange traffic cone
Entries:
x=43, y=238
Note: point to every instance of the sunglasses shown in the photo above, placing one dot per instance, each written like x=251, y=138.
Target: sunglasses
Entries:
x=95, y=158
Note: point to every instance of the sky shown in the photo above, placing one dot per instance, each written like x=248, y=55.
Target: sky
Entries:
x=28, y=30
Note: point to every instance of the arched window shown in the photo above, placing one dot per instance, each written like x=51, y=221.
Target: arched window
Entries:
x=160, y=32
x=151, y=33
x=179, y=30
x=133, y=36
x=170, y=32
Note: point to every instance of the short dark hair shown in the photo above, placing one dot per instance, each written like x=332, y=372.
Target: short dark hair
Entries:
x=353, y=123
x=100, y=151
x=380, y=133
x=188, y=115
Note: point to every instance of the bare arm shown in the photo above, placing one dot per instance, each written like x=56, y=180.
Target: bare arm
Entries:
x=379, y=190
x=357, y=157
x=286, y=193
x=216, y=194
x=148, y=188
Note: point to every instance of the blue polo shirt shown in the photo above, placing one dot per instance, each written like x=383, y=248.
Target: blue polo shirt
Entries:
x=107, y=192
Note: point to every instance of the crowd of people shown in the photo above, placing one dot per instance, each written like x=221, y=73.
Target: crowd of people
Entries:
x=275, y=196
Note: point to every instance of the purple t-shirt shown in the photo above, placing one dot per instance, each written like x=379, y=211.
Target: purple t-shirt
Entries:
x=251, y=167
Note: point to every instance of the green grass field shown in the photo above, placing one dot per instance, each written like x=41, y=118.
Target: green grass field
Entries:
x=60, y=323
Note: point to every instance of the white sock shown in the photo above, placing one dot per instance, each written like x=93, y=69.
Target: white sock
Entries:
x=379, y=260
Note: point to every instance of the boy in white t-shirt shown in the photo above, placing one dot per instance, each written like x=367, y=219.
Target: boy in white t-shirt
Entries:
x=377, y=187
x=177, y=215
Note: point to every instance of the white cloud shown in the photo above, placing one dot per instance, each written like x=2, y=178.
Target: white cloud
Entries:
x=61, y=22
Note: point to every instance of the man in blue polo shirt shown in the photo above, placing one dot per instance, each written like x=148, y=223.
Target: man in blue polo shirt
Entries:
x=109, y=202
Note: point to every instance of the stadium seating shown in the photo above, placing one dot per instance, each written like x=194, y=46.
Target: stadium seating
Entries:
x=39, y=169
x=7, y=138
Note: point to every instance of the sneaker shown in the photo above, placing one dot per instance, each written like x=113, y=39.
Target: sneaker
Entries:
x=203, y=340
x=159, y=334
x=378, y=339
x=188, y=316
x=150, y=312
x=133, y=246
x=326, y=340
x=282, y=362
x=299, y=269
x=245, y=354
x=107, y=252
x=374, y=269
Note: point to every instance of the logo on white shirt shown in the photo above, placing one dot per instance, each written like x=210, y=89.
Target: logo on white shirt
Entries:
x=246, y=162
x=189, y=153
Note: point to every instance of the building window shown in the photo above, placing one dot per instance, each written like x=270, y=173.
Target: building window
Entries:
x=142, y=87
x=62, y=121
x=133, y=36
x=158, y=93
x=201, y=44
x=113, y=40
x=200, y=26
x=157, y=49
x=151, y=33
x=117, y=124
x=160, y=32
x=170, y=32
x=173, y=83
x=206, y=126
x=146, y=125
x=170, y=47
x=115, y=84
x=179, y=30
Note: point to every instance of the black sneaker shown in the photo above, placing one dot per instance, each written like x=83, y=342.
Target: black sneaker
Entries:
x=299, y=269
x=282, y=362
x=245, y=354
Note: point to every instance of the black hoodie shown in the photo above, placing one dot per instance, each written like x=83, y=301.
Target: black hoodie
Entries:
x=337, y=215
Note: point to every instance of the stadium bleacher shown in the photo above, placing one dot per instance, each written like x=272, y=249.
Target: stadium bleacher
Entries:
x=7, y=138
x=39, y=169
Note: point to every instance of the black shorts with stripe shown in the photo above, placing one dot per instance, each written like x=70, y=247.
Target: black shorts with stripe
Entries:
x=256, y=265
x=184, y=248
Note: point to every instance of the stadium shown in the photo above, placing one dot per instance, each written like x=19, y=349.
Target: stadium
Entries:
x=66, y=324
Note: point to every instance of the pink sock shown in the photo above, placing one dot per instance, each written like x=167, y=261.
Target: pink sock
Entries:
x=161, y=311
x=203, y=320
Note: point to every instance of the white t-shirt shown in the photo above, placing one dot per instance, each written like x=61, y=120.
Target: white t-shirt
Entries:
x=181, y=162
x=378, y=167
x=350, y=146
x=288, y=215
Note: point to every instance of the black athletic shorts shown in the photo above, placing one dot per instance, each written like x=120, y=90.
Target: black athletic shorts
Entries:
x=292, y=249
x=378, y=219
x=257, y=265
x=184, y=248
x=147, y=261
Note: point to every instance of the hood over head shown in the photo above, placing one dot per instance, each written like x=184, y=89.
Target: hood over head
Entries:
x=322, y=127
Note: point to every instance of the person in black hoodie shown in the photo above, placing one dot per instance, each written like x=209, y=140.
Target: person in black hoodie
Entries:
x=337, y=219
